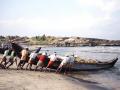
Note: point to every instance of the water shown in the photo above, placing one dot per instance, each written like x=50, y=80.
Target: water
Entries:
x=100, y=53
x=105, y=79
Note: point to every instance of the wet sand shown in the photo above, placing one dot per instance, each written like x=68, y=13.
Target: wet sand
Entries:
x=30, y=80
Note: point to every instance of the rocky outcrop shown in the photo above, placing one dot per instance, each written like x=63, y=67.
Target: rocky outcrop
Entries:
x=79, y=41
x=61, y=41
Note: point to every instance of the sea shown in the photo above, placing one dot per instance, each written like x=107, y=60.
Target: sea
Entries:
x=108, y=79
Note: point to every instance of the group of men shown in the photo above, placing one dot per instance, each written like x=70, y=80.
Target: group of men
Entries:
x=8, y=60
x=40, y=60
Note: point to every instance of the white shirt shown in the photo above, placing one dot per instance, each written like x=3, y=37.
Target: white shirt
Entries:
x=33, y=55
x=65, y=60
x=72, y=59
x=53, y=57
x=6, y=53
x=60, y=57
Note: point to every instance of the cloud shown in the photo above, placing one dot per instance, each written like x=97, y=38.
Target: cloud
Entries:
x=55, y=22
x=93, y=17
x=86, y=19
x=103, y=9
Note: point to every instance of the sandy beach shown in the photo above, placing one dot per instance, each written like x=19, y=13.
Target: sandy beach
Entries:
x=12, y=79
x=30, y=80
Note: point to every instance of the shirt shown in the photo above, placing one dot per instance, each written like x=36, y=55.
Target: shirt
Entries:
x=6, y=53
x=42, y=58
x=33, y=55
x=60, y=57
x=12, y=54
x=66, y=59
x=53, y=57
x=72, y=59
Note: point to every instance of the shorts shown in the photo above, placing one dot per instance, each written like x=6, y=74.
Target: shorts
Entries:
x=4, y=57
x=32, y=60
x=71, y=63
x=22, y=61
x=11, y=59
x=40, y=63
x=50, y=63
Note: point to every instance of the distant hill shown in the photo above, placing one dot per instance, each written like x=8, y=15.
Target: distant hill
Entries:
x=60, y=41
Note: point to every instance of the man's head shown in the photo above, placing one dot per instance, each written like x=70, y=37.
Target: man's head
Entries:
x=55, y=53
x=44, y=53
x=66, y=55
x=27, y=49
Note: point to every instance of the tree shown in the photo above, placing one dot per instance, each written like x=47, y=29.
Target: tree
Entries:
x=43, y=37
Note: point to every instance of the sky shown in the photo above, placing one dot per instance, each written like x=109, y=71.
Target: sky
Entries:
x=83, y=18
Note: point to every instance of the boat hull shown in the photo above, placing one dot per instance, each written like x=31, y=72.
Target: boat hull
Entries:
x=94, y=66
x=89, y=66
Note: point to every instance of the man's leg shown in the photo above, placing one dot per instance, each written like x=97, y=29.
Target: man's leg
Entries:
x=5, y=60
x=2, y=60
x=11, y=63
x=30, y=66
x=23, y=63
x=38, y=64
x=15, y=60
x=19, y=64
x=49, y=65
x=58, y=69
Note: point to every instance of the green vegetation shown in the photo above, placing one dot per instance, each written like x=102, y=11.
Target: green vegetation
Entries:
x=38, y=40
x=42, y=40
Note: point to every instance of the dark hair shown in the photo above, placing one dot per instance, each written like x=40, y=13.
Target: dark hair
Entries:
x=26, y=48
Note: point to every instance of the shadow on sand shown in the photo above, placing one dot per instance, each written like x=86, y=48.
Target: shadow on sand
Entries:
x=90, y=85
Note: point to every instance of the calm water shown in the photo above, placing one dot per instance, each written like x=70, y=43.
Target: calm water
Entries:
x=95, y=80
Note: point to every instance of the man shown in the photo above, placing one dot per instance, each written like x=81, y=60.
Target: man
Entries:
x=67, y=62
x=71, y=61
x=41, y=61
x=11, y=59
x=24, y=57
x=53, y=58
x=4, y=58
x=33, y=58
x=64, y=63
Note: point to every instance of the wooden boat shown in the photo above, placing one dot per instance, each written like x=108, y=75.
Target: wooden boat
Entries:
x=94, y=66
x=77, y=66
